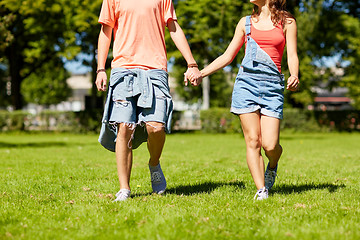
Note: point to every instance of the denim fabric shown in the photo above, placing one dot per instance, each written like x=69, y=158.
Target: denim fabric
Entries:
x=259, y=85
x=135, y=96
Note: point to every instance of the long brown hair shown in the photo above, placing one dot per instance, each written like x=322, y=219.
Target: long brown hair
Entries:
x=279, y=14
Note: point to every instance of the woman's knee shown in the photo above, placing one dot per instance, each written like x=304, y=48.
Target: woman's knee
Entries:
x=253, y=141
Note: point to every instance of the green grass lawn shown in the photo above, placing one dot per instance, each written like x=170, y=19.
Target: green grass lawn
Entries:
x=61, y=186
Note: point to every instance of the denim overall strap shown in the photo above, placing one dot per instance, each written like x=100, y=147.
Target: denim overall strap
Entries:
x=248, y=25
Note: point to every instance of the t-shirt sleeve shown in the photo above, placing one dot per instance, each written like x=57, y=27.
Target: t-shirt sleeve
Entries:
x=169, y=11
x=107, y=13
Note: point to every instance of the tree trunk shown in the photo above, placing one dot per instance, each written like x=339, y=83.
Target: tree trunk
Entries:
x=15, y=64
x=206, y=90
x=93, y=100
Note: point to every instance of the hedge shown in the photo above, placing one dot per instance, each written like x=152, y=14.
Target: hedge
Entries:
x=220, y=120
x=214, y=120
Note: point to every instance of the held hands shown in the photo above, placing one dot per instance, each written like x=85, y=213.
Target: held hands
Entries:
x=292, y=83
x=193, y=75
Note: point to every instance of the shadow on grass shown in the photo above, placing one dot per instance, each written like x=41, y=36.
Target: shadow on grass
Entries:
x=34, y=145
x=289, y=189
x=205, y=187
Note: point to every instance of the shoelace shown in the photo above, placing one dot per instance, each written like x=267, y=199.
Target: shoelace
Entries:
x=156, y=177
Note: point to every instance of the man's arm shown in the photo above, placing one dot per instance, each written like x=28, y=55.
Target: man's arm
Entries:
x=103, y=49
x=178, y=37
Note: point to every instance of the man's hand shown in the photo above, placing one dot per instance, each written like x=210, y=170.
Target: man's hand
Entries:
x=101, y=80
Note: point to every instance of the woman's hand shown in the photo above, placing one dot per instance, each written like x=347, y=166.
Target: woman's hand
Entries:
x=292, y=83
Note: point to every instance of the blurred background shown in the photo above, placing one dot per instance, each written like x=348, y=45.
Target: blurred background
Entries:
x=48, y=64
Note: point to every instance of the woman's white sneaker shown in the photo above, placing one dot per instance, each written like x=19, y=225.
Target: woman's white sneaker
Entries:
x=261, y=194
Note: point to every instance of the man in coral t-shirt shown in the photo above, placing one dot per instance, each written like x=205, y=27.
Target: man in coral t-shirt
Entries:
x=138, y=94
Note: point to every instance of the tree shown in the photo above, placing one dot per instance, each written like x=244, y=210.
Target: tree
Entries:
x=52, y=88
x=209, y=26
x=87, y=27
x=36, y=32
x=338, y=37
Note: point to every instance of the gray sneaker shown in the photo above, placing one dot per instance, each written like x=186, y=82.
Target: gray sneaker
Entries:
x=122, y=195
x=261, y=194
x=270, y=175
x=158, y=181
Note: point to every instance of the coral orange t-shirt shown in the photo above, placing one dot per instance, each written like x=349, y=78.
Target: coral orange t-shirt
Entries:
x=139, y=31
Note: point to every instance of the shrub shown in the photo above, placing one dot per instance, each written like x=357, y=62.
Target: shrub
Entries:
x=219, y=120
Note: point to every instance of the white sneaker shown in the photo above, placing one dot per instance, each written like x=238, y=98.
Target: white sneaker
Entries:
x=270, y=175
x=261, y=194
x=158, y=181
x=122, y=195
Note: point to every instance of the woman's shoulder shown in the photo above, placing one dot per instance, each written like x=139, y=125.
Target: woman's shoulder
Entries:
x=241, y=23
x=290, y=23
x=243, y=19
x=289, y=19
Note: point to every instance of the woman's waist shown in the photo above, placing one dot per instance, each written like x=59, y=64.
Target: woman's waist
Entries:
x=257, y=74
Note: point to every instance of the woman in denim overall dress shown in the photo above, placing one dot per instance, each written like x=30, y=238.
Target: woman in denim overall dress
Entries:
x=258, y=91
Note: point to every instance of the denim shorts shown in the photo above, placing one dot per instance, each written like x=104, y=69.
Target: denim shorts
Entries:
x=258, y=91
x=127, y=111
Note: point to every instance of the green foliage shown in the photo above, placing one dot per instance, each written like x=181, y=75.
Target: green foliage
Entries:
x=219, y=120
x=299, y=120
x=326, y=29
x=45, y=121
x=4, y=95
x=5, y=35
x=352, y=71
x=47, y=85
x=209, y=27
x=36, y=32
x=56, y=121
x=61, y=186
x=337, y=35
x=41, y=32
x=306, y=20
x=14, y=121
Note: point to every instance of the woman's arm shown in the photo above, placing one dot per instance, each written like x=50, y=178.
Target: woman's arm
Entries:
x=103, y=49
x=293, y=60
x=228, y=56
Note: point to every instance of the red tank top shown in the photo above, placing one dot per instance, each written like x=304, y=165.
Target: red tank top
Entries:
x=271, y=41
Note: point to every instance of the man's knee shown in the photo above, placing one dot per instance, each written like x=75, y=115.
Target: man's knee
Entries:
x=155, y=128
x=125, y=130
x=271, y=146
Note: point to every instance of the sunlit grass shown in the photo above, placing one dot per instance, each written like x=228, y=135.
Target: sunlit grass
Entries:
x=61, y=186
